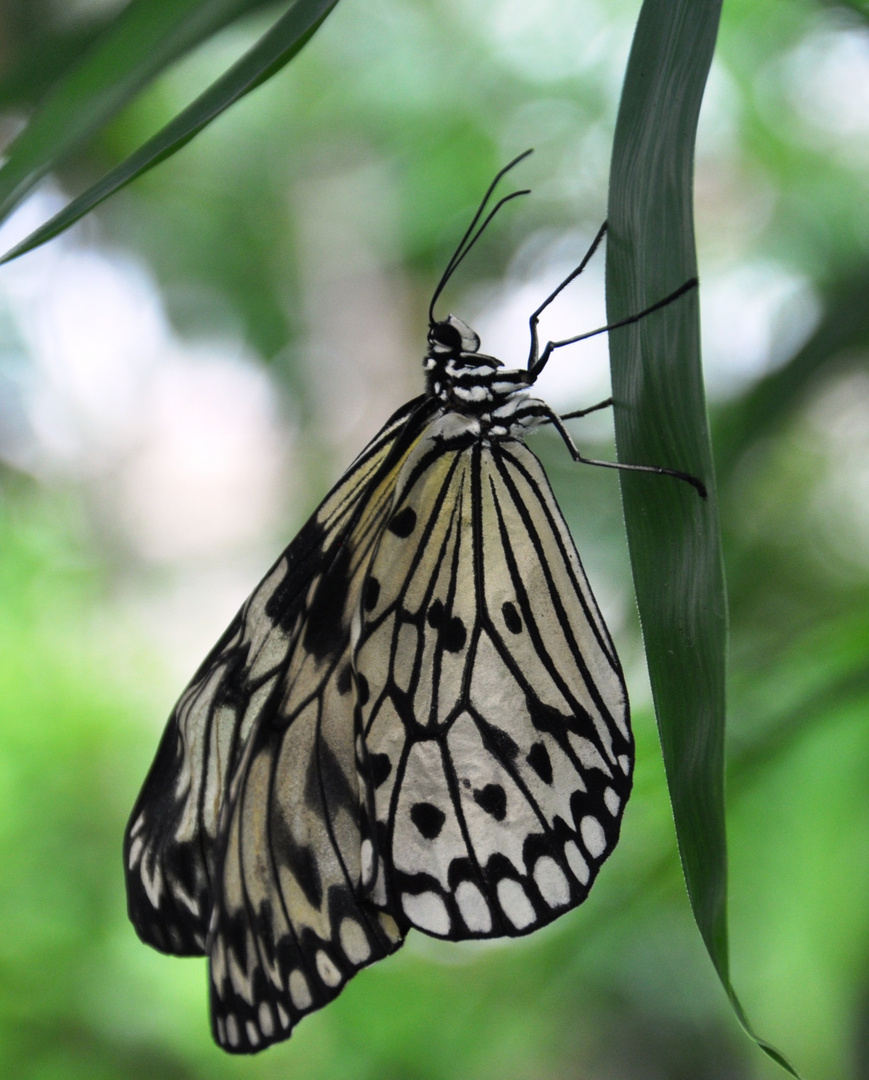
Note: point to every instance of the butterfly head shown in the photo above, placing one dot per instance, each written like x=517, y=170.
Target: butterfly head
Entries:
x=451, y=338
x=465, y=380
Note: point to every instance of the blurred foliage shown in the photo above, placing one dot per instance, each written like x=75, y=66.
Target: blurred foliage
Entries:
x=313, y=218
x=146, y=37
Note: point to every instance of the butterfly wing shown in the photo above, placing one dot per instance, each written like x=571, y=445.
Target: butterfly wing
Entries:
x=290, y=925
x=172, y=841
x=497, y=721
x=290, y=922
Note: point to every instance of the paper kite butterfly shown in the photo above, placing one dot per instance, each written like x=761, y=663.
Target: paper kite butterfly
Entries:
x=417, y=719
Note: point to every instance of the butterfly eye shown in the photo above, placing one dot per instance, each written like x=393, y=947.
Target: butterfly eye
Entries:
x=452, y=336
x=446, y=336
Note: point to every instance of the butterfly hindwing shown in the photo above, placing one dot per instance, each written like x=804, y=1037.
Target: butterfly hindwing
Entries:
x=175, y=834
x=171, y=842
x=289, y=927
x=497, y=724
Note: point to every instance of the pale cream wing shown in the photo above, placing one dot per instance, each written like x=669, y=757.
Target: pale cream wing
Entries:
x=291, y=920
x=497, y=717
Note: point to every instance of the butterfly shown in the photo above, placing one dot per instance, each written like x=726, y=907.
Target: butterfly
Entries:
x=417, y=719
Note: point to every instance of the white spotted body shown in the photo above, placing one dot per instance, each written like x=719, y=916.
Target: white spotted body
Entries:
x=480, y=397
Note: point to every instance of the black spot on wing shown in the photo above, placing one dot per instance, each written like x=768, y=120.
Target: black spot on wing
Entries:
x=362, y=690
x=301, y=860
x=344, y=680
x=403, y=523
x=381, y=767
x=454, y=635
x=325, y=633
x=429, y=819
x=233, y=690
x=327, y=780
x=493, y=799
x=539, y=760
x=304, y=560
x=503, y=744
x=511, y=617
x=435, y=615
x=372, y=593
x=548, y=719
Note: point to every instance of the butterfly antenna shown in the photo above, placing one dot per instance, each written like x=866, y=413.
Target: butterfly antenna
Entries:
x=470, y=237
x=484, y=226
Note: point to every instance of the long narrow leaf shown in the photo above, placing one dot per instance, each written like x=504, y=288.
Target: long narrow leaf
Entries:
x=146, y=37
x=660, y=419
x=274, y=49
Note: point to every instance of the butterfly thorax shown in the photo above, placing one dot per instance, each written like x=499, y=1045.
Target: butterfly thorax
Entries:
x=483, y=398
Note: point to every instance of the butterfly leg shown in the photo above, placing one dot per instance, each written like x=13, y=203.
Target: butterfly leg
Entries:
x=535, y=361
x=584, y=412
x=538, y=365
x=552, y=417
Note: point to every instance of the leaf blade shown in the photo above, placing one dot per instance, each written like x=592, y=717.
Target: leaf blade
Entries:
x=273, y=50
x=144, y=39
x=660, y=419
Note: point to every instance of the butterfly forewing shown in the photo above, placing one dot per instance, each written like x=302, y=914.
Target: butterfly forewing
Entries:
x=290, y=922
x=497, y=721
x=174, y=837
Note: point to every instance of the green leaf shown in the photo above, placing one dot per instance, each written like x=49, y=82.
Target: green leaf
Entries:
x=660, y=419
x=146, y=37
x=273, y=50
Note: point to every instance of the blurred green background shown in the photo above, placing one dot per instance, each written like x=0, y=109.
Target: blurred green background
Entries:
x=184, y=374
